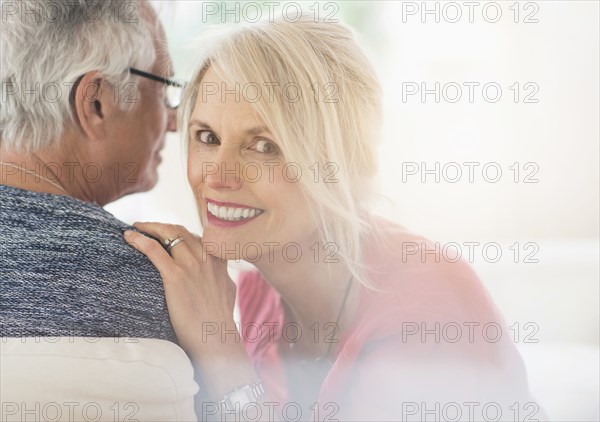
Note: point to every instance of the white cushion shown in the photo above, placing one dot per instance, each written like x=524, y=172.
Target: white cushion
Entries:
x=95, y=379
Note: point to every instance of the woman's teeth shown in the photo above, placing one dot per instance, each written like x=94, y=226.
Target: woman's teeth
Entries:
x=232, y=213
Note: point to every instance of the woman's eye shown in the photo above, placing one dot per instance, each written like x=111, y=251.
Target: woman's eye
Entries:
x=266, y=147
x=206, y=137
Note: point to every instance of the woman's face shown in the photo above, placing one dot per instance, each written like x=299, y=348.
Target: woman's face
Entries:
x=250, y=203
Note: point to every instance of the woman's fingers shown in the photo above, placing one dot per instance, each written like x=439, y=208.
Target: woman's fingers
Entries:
x=160, y=230
x=152, y=249
x=184, y=250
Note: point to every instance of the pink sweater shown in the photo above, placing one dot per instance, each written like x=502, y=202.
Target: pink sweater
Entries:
x=430, y=335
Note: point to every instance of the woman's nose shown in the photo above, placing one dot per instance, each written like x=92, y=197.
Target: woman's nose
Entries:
x=225, y=172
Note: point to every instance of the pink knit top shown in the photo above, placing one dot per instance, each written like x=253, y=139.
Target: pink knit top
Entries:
x=430, y=333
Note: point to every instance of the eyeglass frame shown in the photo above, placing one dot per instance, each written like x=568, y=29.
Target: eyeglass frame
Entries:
x=166, y=81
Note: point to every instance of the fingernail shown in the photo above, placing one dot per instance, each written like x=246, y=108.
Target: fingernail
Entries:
x=127, y=233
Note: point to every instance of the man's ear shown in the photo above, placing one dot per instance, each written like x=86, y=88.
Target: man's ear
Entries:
x=93, y=102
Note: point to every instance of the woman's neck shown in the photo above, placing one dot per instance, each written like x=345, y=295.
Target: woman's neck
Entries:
x=312, y=293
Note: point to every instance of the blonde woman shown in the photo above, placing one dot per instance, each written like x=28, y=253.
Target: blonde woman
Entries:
x=282, y=123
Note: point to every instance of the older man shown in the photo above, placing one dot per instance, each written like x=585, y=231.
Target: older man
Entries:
x=84, y=115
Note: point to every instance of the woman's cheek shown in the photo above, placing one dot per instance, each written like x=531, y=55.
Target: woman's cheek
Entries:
x=197, y=163
x=194, y=174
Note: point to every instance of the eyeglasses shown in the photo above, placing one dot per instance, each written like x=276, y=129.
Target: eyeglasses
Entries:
x=174, y=88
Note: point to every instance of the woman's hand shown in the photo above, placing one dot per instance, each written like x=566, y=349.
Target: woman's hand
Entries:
x=199, y=292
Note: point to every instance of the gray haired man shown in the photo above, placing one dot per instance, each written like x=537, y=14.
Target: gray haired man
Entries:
x=84, y=115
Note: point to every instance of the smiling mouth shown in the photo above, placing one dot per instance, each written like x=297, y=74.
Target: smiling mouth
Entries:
x=232, y=213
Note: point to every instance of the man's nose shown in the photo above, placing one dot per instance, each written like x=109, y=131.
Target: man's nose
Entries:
x=172, y=120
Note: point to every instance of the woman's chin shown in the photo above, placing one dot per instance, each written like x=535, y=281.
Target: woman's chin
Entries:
x=232, y=250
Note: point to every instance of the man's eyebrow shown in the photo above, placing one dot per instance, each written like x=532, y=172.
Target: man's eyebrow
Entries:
x=252, y=131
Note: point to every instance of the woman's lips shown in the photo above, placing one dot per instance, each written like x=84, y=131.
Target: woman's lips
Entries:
x=227, y=214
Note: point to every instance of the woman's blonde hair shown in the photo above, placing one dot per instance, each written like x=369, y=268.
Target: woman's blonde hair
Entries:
x=331, y=117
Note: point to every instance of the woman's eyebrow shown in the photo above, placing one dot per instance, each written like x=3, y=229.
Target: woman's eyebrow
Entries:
x=251, y=131
x=199, y=123
x=258, y=129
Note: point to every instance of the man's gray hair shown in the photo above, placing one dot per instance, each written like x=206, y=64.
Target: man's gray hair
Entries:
x=46, y=46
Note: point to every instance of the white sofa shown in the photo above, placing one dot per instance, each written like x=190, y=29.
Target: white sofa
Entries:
x=95, y=379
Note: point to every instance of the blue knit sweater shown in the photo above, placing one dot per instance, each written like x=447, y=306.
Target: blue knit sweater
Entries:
x=65, y=270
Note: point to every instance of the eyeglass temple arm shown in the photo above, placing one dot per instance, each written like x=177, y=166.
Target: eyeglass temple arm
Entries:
x=155, y=77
